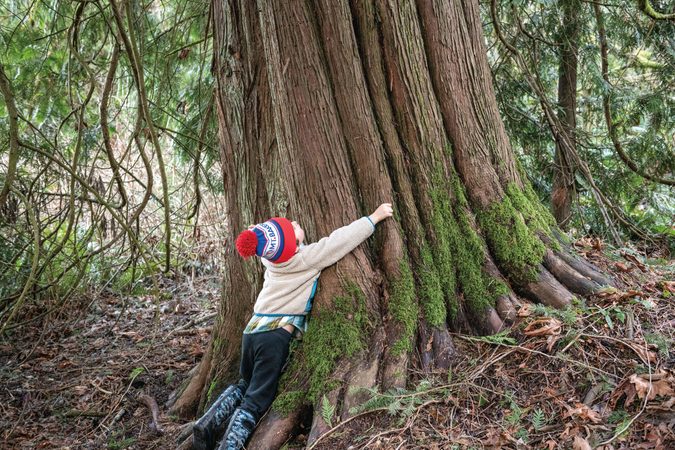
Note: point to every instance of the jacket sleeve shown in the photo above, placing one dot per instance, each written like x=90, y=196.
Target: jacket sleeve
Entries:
x=342, y=241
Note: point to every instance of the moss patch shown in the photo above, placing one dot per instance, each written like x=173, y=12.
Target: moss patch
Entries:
x=289, y=401
x=431, y=294
x=331, y=335
x=517, y=249
x=403, y=307
x=463, y=244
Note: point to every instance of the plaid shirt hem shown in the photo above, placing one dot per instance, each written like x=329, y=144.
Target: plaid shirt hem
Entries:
x=259, y=324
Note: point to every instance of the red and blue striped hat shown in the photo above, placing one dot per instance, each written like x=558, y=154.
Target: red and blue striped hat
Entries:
x=273, y=240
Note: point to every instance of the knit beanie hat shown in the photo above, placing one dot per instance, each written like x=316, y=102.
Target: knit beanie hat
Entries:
x=273, y=240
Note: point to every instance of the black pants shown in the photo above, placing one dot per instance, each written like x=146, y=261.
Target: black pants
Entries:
x=263, y=355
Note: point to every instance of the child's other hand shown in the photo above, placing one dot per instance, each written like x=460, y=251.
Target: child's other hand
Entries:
x=382, y=212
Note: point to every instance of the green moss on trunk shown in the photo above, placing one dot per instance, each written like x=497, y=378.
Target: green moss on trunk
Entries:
x=403, y=307
x=333, y=334
x=431, y=293
x=515, y=245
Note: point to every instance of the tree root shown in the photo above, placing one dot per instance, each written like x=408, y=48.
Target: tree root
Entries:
x=548, y=290
x=274, y=430
x=151, y=403
x=570, y=277
x=585, y=268
x=186, y=404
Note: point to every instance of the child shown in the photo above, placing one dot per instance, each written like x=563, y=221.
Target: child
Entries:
x=291, y=274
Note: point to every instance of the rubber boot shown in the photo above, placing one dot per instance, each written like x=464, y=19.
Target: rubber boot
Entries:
x=205, y=430
x=238, y=431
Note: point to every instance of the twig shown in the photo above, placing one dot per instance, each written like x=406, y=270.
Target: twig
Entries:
x=341, y=424
x=195, y=321
x=623, y=428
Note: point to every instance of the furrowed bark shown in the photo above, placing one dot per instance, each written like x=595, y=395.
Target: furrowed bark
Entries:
x=327, y=109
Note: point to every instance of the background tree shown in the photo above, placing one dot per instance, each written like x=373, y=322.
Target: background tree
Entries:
x=620, y=134
x=324, y=110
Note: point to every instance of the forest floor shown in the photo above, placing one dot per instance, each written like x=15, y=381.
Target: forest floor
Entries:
x=598, y=375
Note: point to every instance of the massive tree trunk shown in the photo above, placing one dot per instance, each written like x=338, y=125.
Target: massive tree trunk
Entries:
x=563, y=169
x=327, y=109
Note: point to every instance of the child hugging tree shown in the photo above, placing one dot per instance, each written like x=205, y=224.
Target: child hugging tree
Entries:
x=292, y=271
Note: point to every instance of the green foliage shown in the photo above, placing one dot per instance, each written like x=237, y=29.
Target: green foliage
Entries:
x=641, y=68
x=327, y=411
x=516, y=248
x=568, y=315
x=114, y=444
x=403, y=307
x=331, y=335
x=662, y=343
x=398, y=401
x=136, y=372
x=501, y=338
x=538, y=419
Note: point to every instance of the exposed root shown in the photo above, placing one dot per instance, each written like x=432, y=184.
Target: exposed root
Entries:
x=151, y=403
x=435, y=347
x=571, y=278
x=585, y=268
x=494, y=322
x=506, y=309
x=394, y=369
x=442, y=347
x=548, y=290
x=274, y=430
x=319, y=425
x=186, y=404
x=363, y=376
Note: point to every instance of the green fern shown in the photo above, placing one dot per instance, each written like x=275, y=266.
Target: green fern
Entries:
x=501, y=338
x=327, y=411
x=538, y=419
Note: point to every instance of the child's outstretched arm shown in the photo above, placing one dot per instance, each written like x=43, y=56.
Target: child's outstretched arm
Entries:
x=342, y=241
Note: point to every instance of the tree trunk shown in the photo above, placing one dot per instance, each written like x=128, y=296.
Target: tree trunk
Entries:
x=326, y=109
x=563, y=169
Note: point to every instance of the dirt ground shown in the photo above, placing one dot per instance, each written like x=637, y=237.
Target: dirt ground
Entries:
x=601, y=375
x=74, y=379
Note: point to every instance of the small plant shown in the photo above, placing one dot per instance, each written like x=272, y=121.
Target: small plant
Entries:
x=501, y=338
x=136, y=372
x=327, y=411
x=538, y=419
x=514, y=417
x=568, y=315
x=661, y=342
x=114, y=444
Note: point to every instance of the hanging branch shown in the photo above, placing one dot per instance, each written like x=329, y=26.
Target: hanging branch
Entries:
x=556, y=127
x=6, y=90
x=611, y=128
x=105, y=97
x=195, y=169
x=647, y=8
x=137, y=70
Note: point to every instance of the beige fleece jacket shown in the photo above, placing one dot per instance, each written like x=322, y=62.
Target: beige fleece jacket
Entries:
x=289, y=287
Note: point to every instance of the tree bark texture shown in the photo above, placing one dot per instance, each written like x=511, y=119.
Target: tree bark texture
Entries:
x=328, y=108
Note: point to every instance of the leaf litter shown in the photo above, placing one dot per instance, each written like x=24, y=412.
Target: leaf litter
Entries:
x=600, y=375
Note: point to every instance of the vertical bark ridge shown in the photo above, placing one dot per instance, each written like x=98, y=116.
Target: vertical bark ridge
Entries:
x=366, y=153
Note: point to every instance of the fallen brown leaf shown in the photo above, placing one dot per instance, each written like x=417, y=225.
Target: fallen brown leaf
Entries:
x=581, y=444
x=583, y=412
x=654, y=387
x=622, y=267
x=545, y=326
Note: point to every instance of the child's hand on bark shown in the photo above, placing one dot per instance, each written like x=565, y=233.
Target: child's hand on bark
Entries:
x=382, y=212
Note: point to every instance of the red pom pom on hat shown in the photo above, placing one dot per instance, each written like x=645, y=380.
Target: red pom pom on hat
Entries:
x=246, y=243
